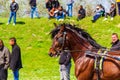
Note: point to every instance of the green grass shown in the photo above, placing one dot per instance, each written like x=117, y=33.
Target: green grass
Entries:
x=34, y=40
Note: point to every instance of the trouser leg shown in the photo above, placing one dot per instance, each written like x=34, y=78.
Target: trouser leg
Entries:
x=32, y=12
x=3, y=74
x=118, y=7
x=16, y=74
x=11, y=14
x=64, y=72
x=96, y=17
x=70, y=10
x=14, y=18
x=36, y=13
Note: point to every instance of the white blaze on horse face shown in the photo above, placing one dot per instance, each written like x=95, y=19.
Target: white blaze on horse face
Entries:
x=114, y=38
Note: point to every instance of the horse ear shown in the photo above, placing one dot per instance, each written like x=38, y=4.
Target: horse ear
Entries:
x=55, y=25
x=62, y=28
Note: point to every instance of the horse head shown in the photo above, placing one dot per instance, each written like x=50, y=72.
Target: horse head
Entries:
x=72, y=38
x=59, y=37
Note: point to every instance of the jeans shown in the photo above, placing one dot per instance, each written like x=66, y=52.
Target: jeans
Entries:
x=65, y=72
x=16, y=74
x=34, y=9
x=60, y=16
x=95, y=17
x=69, y=11
x=118, y=4
x=12, y=14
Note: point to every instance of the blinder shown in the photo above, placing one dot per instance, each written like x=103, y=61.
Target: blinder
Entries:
x=61, y=40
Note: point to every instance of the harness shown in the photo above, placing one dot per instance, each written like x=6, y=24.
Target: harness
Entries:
x=98, y=56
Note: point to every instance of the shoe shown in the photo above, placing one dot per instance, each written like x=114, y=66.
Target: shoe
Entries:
x=111, y=18
x=93, y=21
x=105, y=19
x=61, y=20
x=13, y=24
x=8, y=23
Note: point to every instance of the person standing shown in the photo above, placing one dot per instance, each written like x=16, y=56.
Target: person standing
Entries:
x=55, y=4
x=15, y=62
x=13, y=8
x=69, y=7
x=65, y=65
x=115, y=42
x=48, y=5
x=4, y=61
x=34, y=8
x=118, y=5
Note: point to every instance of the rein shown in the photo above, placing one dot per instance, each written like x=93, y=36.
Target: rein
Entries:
x=88, y=48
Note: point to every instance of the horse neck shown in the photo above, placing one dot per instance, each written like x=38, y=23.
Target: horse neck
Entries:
x=78, y=46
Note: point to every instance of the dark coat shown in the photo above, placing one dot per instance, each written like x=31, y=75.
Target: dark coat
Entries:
x=115, y=46
x=65, y=58
x=48, y=5
x=15, y=62
x=14, y=7
x=33, y=3
x=55, y=4
x=82, y=13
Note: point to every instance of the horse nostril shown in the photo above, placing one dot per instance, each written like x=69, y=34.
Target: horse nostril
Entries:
x=50, y=54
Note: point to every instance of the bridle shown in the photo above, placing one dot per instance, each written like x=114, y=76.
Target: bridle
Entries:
x=62, y=41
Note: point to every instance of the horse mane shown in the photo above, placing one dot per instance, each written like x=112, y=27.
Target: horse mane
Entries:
x=80, y=31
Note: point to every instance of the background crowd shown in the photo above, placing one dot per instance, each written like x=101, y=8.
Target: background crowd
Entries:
x=56, y=10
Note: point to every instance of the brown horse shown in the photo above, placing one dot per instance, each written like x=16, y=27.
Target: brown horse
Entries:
x=78, y=41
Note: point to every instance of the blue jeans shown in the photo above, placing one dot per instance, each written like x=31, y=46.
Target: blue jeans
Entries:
x=34, y=9
x=118, y=4
x=65, y=72
x=12, y=14
x=69, y=11
x=16, y=74
x=60, y=16
x=95, y=17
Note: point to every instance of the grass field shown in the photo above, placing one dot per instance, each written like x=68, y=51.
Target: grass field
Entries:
x=34, y=40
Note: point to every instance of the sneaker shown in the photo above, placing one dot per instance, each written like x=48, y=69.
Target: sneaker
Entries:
x=111, y=18
x=13, y=24
x=93, y=21
x=105, y=19
x=61, y=20
x=8, y=23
